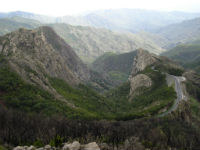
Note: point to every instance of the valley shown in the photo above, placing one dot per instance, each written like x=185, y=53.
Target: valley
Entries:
x=106, y=80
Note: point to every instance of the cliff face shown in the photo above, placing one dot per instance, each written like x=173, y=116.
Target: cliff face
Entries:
x=139, y=81
x=142, y=60
x=40, y=52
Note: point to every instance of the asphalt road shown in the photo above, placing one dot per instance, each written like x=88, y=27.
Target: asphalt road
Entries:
x=179, y=92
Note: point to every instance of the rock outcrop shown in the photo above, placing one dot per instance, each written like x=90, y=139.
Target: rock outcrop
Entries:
x=67, y=146
x=72, y=146
x=91, y=146
x=142, y=60
x=139, y=81
x=42, y=52
x=25, y=148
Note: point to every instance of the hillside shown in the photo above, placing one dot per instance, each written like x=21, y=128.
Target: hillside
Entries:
x=89, y=43
x=44, y=50
x=186, y=31
x=46, y=76
x=187, y=55
x=130, y=99
x=11, y=24
x=43, y=91
x=116, y=66
x=41, y=60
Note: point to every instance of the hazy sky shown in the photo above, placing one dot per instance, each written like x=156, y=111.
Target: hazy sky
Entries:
x=69, y=7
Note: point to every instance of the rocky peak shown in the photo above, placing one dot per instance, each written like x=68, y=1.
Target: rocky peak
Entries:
x=142, y=60
x=42, y=51
x=138, y=81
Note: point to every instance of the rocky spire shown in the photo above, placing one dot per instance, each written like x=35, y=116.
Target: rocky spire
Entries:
x=142, y=60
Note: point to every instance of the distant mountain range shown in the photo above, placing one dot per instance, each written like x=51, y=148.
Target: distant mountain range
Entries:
x=165, y=30
x=132, y=20
x=49, y=96
x=183, y=32
x=13, y=23
x=88, y=42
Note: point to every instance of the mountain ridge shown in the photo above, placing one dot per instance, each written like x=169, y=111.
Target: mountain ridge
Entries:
x=107, y=18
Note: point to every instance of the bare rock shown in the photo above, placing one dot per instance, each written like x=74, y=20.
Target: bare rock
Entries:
x=91, y=146
x=47, y=147
x=139, y=81
x=104, y=146
x=19, y=148
x=31, y=148
x=73, y=146
x=41, y=148
x=142, y=60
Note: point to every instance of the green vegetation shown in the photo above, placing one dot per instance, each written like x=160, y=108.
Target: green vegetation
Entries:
x=112, y=62
x=195, y=108
x=149, y=103
x=3, y=148
x=57, y=141
x=116, y=104
x=83, y=98
x=170, y=70
x=38, y=143
x=188, y=55
x=118, y=76
x=116, y=66
x=193, y=89
x=17, y=94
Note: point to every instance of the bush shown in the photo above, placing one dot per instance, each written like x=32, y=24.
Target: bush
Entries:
x=38, y=143
x=57, y=141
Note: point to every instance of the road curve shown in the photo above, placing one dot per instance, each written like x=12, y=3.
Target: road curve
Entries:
x=179, y=92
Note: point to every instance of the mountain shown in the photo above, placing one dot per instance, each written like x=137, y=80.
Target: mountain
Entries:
x=46, y=76
x=116, y=66
x=44, y=62
x=135, y=100
x=44, y=50
x=45, y=98
x=134, y=20
x=183, y=32
x=11, y=24
x=131, y=20
x=119, y=66
x=89, y=43
x=187, y=55
x=27, y=15
x=39, y=70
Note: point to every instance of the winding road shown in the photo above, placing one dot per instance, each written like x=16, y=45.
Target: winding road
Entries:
x=179, y=92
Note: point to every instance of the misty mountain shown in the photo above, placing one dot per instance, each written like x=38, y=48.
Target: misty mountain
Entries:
x=132, y=20
x=186, y=31
x=11, y=24
x=135, y=20
x=88, y=42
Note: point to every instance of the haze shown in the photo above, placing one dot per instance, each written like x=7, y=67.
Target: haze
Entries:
x=65, y=7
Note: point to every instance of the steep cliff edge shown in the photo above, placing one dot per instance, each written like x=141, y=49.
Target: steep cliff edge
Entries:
x=142, y=60
x=139, y=80
x=40, y=52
